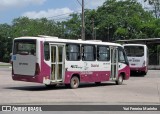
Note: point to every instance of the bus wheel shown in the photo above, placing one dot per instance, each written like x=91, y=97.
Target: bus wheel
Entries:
x=119, y=81
x=74, y=82
x=51, y=86
x=144, y=73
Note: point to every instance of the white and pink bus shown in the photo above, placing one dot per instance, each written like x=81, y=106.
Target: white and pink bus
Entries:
x=51, y=61
x=138, y=57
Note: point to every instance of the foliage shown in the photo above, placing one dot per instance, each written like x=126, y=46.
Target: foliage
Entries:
x=72, y=27
x=24, y=26
x=114, y=20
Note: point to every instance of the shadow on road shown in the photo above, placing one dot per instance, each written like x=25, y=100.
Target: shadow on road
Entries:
x=30, y=88
x=137, y=74
x=58, y=87
x=96, y=85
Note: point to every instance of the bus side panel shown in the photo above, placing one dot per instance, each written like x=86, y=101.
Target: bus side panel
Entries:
x=88, y=71
x=126, y=70
x=45, y=68
x=89, y=76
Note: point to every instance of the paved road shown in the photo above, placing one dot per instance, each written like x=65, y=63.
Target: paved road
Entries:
x=137, y=90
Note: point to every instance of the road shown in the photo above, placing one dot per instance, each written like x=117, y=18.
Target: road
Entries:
x=138, y=90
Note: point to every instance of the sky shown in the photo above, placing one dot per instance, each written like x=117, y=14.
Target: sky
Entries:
x=51, y=9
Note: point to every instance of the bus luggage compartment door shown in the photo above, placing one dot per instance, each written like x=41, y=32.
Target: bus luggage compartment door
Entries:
x=114, y=64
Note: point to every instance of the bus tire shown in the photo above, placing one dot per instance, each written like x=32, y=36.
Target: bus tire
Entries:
x=119, y=81
x=74, y=82
x=51, y=86
x=144, y=73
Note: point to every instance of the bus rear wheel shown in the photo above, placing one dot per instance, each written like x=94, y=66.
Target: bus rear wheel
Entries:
x=74, y=82
x=119, y=81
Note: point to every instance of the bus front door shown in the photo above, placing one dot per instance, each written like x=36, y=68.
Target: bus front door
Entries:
x=114, y=63
x=57, y=62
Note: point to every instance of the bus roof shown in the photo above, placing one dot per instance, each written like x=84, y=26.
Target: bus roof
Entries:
x=56, y=39
x=133, y=40
x=155, y=40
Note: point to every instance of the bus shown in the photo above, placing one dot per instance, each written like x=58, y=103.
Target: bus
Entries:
x=51, y=61
x=138, y=57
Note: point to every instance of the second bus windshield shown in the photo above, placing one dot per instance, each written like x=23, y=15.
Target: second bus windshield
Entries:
x=134, y=51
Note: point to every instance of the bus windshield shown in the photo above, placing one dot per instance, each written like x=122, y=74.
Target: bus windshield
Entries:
x=25, y=47
x=134, y=51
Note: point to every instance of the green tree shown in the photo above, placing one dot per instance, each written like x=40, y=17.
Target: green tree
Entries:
x=121, y=32
x=115, y=16
x=32, y=27
x=24, y=26
x=5, y=42
x=72, y=28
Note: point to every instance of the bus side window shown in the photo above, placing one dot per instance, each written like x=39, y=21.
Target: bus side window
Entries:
x=72, y=52
x=103, y=53
x=88, y=53
x=46, y=51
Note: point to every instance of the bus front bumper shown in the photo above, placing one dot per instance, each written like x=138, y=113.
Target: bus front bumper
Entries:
x=139, y=69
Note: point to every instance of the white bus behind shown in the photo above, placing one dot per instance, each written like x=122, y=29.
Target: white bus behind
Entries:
x=138, y=57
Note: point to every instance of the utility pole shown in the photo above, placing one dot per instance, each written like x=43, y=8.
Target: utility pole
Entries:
x=83, y=25
x=93, y=28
